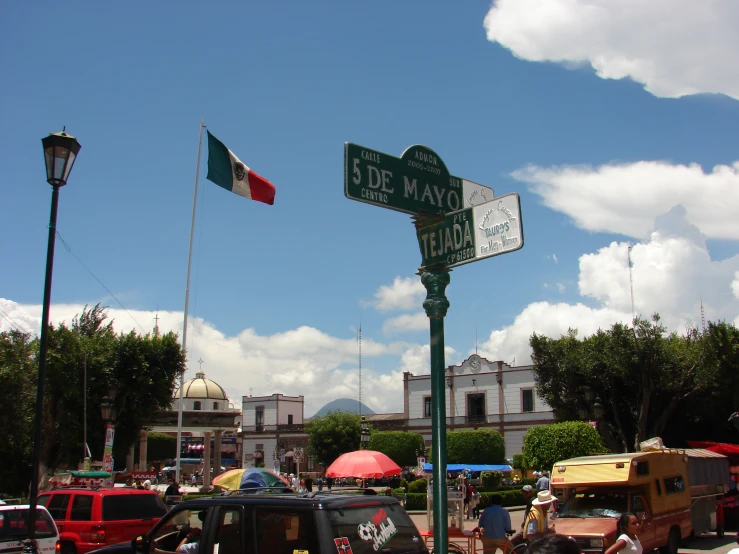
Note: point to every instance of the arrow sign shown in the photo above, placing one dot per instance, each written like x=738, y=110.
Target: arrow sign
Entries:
x=465, y=236
x=417, y=182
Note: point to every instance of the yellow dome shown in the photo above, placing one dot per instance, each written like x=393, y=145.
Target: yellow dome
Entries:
x=200, y=387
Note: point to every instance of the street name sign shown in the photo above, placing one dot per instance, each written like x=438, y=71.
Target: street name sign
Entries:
x=417, y=182
x=468, y=235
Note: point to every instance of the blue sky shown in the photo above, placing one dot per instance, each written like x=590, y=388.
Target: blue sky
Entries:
x=615, y=122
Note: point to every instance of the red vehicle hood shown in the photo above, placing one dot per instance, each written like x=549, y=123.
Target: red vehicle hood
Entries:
x=585, y=526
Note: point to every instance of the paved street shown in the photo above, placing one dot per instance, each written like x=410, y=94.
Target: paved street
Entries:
x=703, y=544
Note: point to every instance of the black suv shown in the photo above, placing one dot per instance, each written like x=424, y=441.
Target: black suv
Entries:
x=313, y=523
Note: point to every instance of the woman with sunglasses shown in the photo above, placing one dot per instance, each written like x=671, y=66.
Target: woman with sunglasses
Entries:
x=627, y=542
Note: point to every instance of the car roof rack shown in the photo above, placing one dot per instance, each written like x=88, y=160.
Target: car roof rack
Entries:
x=260, y=490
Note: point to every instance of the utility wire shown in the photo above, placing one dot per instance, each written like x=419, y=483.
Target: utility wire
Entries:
x=6, y=316
x=69, y=249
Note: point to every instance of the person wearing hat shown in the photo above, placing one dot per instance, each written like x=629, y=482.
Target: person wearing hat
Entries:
x=537, y=522
x=528, y=495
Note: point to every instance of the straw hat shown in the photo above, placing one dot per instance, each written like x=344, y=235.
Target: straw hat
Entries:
x=544, y=497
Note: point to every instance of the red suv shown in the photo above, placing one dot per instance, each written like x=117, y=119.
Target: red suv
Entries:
x=92, y=518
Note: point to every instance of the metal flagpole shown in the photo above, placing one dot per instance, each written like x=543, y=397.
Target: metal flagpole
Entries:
x=187, y=304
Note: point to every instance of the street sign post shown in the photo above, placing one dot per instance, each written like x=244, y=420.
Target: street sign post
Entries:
x=457, y=222
x=473, y=234
x=417, y=182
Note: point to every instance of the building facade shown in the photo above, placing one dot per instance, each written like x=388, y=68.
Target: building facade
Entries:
x=479, y=394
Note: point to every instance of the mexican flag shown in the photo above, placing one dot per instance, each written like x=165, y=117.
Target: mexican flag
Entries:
x=227, y=171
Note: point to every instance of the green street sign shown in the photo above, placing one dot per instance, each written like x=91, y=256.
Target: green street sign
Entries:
x=417, y=182
x=468, y=235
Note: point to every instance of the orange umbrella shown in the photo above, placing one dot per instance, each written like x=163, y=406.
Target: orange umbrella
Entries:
x=365, y=464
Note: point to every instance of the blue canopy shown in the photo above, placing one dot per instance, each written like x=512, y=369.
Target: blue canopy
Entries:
x=456, y=468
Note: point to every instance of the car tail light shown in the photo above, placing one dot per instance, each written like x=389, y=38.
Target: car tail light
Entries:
x=58, y=547
x=97, y=534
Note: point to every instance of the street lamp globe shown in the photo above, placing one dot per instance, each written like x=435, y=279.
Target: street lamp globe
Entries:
x=60, y=153
x=106, y=407
x=598, y=408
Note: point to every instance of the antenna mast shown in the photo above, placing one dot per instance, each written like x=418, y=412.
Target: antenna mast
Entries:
x=631, y=285
x=703, y=317
x=359, y=340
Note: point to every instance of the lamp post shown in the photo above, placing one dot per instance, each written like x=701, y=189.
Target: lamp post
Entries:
x=365, y=436
x=593, y=402
x=60, y=153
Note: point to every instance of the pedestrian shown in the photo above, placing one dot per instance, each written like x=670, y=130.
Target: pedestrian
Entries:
x=329, y=483
x=494, y=524
x=627, y=542
x=537, y=522
x=308, y=482
x=194, y=479
x=295, y=482
x=173, y=489
x=542, y=484
x=475, y=503
x=319, y=483
x=528, y=495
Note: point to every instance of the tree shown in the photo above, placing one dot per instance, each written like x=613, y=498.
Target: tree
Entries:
x=641, y=374
x=399, y=446
x=143, y=371
x=332, y=435
x=18, y=377
x=547, y=444
x=160, y=446
x=482, y=446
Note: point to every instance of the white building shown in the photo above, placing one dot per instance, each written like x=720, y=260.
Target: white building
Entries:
x=479, y=394
x=272, y=429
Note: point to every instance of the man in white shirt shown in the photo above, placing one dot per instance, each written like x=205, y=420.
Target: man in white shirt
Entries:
x=543, y=483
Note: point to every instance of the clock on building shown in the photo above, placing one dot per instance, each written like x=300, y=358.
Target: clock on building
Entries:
x=475, y=363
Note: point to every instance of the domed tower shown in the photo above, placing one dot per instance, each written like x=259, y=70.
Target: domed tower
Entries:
x=201, y=394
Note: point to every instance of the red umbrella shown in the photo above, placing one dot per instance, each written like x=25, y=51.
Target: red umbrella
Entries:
x=366, y=464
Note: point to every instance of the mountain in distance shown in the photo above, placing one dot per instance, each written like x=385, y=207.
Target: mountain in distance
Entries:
x=344, y=405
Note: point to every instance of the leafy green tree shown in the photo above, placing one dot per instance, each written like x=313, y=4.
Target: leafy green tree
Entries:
x=18, y=377
x=547, y=444
x=332, y=435
x=520, y=462
x=483, y=446
x=142, y=370
x=641, y=373
x=160, y=447
x=399, y=446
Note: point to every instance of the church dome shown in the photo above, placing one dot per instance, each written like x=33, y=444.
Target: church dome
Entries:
x=200, y=387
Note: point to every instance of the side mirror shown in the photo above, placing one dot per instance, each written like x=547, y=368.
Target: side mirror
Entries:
x=139, y=544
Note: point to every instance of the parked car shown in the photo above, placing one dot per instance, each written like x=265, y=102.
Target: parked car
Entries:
x=283, y=523
x=14, y=529
x=92, y=518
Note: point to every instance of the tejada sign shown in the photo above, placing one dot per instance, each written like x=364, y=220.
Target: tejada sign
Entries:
x=469, y=235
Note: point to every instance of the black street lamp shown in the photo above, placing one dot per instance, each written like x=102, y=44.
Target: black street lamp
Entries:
x=593, y=402
x=60, y=153
x=365, y=436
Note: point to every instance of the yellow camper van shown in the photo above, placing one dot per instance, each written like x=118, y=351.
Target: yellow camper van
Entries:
x=596, y=490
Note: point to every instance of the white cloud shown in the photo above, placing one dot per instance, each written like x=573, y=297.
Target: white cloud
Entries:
x=406, y=293
x=560, y=288
x=627, y=198
x=553, y=257
x=672, y=276
x=406, y=322
x=417, y=359
x=673, y=47
x=298, y=361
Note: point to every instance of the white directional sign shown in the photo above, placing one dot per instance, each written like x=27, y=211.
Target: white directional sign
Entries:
x=469, y=235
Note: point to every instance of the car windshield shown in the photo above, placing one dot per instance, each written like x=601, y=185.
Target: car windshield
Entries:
x=14, y=524
x=595, y=504
x=374, y=528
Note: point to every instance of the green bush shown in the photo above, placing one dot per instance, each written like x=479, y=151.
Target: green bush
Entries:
x=404, y=484
x=399, y=446
x=483, y=446
x=418, y=486
x=510, y=498
x=491, y=480
x=415, y=501
x=547, y=444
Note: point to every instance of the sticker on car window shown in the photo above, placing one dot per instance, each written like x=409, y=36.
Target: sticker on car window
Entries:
x=300, y=552
x=343, y=546
x=378, y=530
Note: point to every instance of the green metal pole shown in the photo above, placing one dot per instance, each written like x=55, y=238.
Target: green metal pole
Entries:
x=435, y=280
